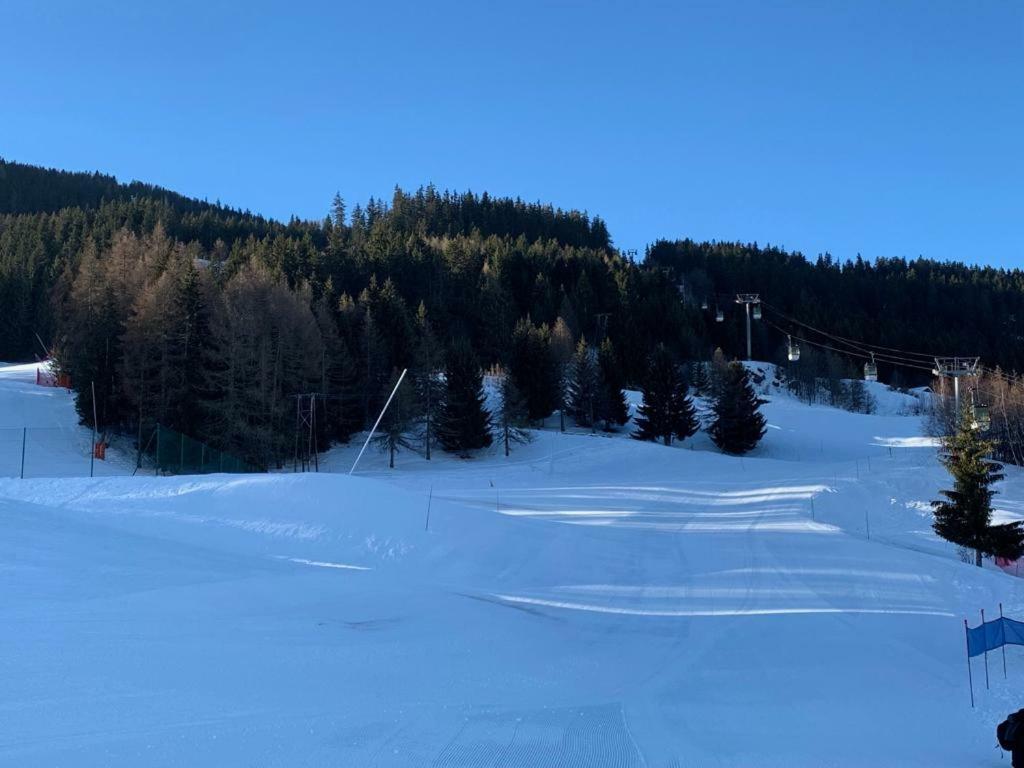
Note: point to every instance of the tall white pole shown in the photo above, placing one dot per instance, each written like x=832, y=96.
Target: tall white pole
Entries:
x=377, y=422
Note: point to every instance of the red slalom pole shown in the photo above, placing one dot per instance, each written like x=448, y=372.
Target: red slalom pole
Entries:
x=970, y=677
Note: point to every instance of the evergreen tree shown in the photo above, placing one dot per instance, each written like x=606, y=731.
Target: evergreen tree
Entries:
x=398, y=421
x=534, y=369
x=584, y=386
x=429, y=386
x=612, y=405
x=700, y=378
x=562, y=351
x=666, y=410
x=464, y=425
x=965, y=516
x=512, y=415
x=738, y=424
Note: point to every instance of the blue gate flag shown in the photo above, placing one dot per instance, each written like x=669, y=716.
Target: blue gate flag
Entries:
x=994, y=634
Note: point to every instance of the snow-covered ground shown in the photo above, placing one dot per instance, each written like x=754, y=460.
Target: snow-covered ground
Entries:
x=589, y=601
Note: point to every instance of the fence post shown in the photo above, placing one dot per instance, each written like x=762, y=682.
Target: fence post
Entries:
x=970, y=677
x=24, y=436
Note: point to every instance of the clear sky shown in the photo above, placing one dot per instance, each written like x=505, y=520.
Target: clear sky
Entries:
x=892, y=128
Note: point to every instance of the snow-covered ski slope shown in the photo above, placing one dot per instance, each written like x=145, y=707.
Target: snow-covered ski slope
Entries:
x=590, y=601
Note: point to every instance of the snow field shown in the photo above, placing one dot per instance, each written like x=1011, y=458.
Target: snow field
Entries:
x=591, y=601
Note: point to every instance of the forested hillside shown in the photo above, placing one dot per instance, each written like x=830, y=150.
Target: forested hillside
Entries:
x=210, y=320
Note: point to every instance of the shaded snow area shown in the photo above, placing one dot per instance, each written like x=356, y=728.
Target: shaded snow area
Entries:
x=590, y=601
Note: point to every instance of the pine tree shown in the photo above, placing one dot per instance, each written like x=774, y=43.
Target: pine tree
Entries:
x=534, y=369
x=562, y=350
x=465, y=423
x=701, y=379
x=512, y=415
x=429, y=387
x=584, y=386
x=399, y=420
x=738, y=423
x=612, y=405
x=666, y=410
x=965, y=516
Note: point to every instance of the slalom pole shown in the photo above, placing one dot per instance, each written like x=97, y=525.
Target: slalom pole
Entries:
x=1002, y=626
x=970, y=677
x=985, y=632
x=430, y=498
x=377, y=422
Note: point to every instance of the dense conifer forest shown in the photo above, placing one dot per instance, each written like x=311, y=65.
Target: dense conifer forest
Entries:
x=210, y=320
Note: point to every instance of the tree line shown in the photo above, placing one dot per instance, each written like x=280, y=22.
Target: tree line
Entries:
x=211, y=319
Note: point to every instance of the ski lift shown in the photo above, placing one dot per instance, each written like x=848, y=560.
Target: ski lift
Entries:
x=757, y=311
x=871, y=370
x=793, y=350
x=981, y=418
x=704, y=304
x=719, y=316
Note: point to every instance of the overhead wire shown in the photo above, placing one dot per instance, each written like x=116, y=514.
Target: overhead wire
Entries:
x=864, y=347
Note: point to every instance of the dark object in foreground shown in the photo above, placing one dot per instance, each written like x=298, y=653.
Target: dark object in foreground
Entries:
x=1010, y=734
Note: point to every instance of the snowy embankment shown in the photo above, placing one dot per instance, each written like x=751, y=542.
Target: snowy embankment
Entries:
x=590, y=601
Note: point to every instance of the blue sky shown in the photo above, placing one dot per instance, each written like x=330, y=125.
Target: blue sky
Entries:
x=884, y=128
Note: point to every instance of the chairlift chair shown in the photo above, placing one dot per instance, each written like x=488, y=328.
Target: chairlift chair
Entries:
x=757, y=311
x=792, y=350
x=871, y=370
x=719, y=316
x=982, y=418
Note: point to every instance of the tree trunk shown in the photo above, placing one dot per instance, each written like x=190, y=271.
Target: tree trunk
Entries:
x=977, y=557
x=391, y=462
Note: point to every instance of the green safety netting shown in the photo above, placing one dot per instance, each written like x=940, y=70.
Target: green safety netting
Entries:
x=179, y=454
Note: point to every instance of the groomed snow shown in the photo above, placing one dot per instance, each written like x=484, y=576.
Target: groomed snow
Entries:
x=590, y=601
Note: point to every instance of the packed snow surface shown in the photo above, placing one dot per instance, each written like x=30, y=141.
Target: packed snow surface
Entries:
x=589, y=601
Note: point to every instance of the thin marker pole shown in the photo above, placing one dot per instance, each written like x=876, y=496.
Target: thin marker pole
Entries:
x=430, y=498
x=1002, y=626
x=377, y=422
x=986, y=646
x=92, y=453
x=24, y=436
x=970, y=677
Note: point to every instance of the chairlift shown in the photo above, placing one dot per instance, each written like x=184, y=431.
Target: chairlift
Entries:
x=871, y=370
x=793, y=349
x=982, y=418
x=719, y=316
x=757, y=311
x=704, y=304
